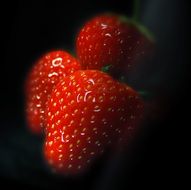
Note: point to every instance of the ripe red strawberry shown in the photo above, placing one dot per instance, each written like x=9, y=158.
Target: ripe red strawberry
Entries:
x=87, y=113
x=47, y=72
x=112, y=40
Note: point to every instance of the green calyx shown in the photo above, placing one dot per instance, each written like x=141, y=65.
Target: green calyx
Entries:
x=122, y=79
x=106, y=69
x=140, y=27
x=145, y=95
x=133, y=21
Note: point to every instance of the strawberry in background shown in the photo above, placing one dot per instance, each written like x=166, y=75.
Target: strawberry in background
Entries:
x=113, y=40
x=45, y=74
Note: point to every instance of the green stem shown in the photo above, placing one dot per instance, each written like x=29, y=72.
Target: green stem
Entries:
x=136, y=10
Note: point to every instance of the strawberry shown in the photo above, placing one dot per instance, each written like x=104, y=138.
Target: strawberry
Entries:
x=47, y=71
x=87, y=113
x=112, y=40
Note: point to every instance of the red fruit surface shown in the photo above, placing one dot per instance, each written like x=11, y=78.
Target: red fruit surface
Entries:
x=87, y=113
x=46, y=72
x=112, y=40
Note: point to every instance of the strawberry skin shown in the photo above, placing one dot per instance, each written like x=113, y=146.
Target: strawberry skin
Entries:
x=46, y=72
x=112, y=40
x=87, y=113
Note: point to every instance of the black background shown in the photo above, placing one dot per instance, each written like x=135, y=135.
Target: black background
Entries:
x=156, y=159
